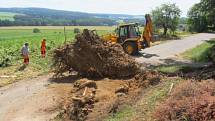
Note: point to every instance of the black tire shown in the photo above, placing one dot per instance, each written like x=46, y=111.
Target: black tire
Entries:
x=130, y=44
x=145, y=44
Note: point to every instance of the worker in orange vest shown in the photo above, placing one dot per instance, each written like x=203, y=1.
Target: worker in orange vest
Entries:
x=25, y=53
x=43, y=48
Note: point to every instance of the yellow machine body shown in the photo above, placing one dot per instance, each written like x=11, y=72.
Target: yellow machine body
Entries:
x=128, y=35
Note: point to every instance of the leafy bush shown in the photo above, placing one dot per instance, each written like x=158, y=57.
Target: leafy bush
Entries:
x=77, y=30
x=5, y=62
x=190, y=101
x=6, y=57
x=36, y=30
x=212, y=54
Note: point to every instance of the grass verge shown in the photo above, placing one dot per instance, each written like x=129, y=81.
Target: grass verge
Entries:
x=144, y=108
x=199, y=53
x=172, y=69
x=122, y=115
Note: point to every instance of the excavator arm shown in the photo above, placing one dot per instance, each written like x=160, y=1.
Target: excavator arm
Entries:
x=147, y=33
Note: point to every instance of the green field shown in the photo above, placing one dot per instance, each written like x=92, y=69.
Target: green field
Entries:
x=7, y=16
x=13, y=38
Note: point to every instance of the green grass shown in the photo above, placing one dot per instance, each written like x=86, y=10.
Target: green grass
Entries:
x=121, y=115
x=199, y=53
x=183, y=33
x=169, y=69
x=7, y=16
x=99, y=28
x=13, y=38
x=155, y=97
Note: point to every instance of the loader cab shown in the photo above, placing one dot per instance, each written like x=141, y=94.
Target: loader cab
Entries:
x=128, y=36
x=127, y=31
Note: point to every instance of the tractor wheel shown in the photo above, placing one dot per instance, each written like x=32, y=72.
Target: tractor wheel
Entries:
x=130, y=48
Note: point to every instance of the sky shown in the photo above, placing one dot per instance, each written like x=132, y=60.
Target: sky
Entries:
x=133, y=7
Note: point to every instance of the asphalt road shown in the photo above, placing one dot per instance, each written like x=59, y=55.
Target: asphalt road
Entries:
x=168, y=53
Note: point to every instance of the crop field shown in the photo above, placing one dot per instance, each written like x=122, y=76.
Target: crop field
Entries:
x=13, y=38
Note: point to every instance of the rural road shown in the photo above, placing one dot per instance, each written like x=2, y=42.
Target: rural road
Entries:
x=37, y=99
x=34, y=99
x=167, y=53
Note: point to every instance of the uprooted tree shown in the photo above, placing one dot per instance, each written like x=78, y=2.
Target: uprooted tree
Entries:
x=90, y=56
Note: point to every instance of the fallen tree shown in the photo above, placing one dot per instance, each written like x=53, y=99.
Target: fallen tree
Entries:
x=90, y=56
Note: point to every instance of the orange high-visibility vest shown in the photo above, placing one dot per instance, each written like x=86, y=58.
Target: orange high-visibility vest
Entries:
x=43, y=46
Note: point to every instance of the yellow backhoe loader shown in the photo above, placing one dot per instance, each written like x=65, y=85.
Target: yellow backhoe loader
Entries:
x=129, y=36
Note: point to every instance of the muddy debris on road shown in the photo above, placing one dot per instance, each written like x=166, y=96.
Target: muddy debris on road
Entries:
x=119, y=79
x=95, y=100
x=92, y=57
x=82, y=103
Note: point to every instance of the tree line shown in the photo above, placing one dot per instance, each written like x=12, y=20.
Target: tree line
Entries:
x=44, y=17
x=22, y=20
x=202, y=16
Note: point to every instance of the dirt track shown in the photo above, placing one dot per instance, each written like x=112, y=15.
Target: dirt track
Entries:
x=37, y=99
x=31, y=100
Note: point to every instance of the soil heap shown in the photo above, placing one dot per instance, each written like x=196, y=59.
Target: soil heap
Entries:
x=91, y=56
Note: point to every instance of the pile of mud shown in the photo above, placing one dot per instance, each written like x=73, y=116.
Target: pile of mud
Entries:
x=90, y=56
x=96, y=100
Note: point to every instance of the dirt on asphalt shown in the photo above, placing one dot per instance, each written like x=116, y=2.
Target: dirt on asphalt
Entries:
x=96, y=100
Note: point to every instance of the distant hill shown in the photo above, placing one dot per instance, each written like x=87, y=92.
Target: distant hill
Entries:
x=7, y=16
x=43, y=17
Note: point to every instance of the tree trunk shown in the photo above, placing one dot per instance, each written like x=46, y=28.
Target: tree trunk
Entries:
x=165, y=29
